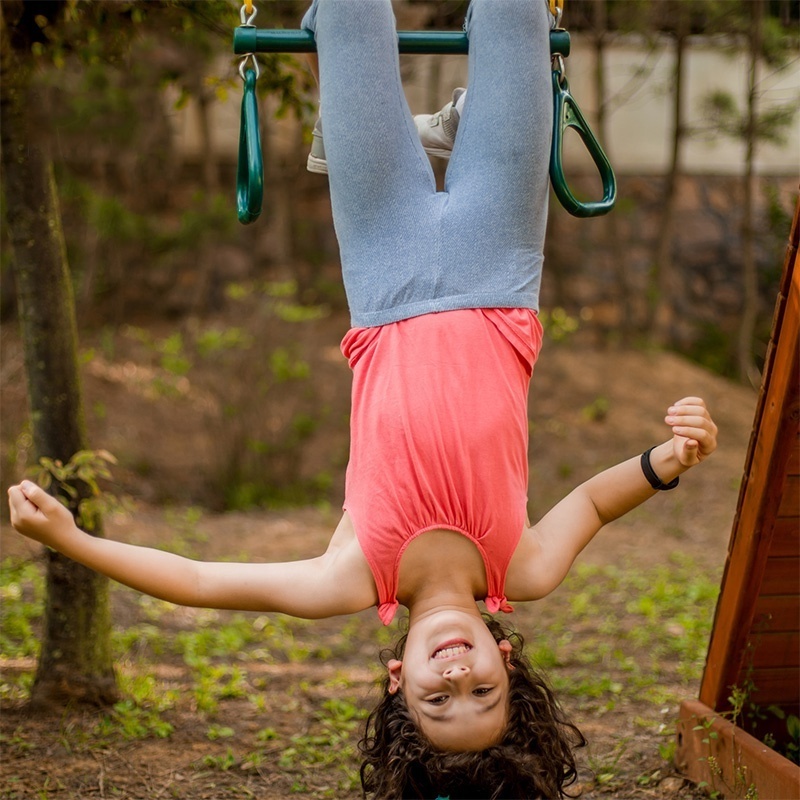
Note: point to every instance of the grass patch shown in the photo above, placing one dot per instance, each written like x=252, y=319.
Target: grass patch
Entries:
x=621, y=626
x=623, y=640
x=21, y=606
x=631, y=631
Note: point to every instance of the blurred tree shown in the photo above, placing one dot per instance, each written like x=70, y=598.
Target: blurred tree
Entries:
x=75, y=661
x=602, y=27
x=118, y=76
x=677, y=19
x=768, y=41
x=41, y=38
x=733, y=25
x=747, y=366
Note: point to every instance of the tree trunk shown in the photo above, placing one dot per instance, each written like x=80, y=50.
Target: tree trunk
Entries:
x=210, y=166
x=663, y=308
x=613, y=239
x=75, y=661
x=747, y=368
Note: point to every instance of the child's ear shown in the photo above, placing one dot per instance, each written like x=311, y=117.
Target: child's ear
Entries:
x=505, y=649
x=395, y=668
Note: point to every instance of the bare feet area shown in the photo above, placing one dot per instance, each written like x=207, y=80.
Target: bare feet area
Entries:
x=222, y=705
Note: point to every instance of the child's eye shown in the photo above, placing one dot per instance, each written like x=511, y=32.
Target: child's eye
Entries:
x=438, y=700
x=484, y=690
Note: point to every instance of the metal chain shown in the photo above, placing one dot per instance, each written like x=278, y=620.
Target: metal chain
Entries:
x=247, y=15
x=557, y=9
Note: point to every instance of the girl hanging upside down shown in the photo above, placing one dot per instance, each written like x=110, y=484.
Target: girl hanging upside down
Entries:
x=443, y=291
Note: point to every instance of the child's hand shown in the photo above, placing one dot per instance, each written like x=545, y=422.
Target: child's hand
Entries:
x=39, y=516
x=694, y=432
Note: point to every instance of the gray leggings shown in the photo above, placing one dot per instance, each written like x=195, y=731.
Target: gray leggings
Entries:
x=405, y=248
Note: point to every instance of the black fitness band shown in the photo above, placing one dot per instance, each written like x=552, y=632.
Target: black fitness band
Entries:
x=651, y=476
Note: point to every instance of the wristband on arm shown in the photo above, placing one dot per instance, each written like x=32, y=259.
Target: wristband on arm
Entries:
x=651, y=476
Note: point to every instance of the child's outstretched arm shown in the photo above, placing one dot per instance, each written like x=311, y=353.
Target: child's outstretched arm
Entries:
x=334, y=583
x=564, y=531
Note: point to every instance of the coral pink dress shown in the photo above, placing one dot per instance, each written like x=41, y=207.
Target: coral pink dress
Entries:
x=439, y=437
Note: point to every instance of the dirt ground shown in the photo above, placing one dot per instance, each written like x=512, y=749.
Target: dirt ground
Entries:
x=589, y=408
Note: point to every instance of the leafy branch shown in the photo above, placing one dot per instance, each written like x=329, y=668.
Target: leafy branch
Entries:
x=77, y=485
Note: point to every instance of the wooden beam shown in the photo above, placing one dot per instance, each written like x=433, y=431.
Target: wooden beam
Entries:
x=785, y=539
x=774, y=686
x=776, y=649
x=781, y=576
x=772, y=445
x=790, y=500
x=711, y=750
x=777, y=613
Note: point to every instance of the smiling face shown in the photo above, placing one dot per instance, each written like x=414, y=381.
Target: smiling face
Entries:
x=454, y=679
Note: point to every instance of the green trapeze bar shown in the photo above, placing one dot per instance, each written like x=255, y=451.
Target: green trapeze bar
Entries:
x=248, y=39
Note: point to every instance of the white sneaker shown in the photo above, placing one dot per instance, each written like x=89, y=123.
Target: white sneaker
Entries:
x=316, y=158
x=437, y=132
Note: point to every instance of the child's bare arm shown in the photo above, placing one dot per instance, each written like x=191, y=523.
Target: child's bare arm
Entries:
x=564, y=531
x=313, y=588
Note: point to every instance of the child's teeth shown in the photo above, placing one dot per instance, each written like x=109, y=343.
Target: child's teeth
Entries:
x=451, y=651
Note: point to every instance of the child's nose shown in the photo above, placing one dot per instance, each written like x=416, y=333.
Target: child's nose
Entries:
x=455, y=672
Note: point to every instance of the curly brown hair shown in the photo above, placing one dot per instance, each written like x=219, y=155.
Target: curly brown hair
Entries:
x=534, y=759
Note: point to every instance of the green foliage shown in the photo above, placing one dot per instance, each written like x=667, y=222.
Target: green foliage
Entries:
x=215, y=732
x=207, y=219
x=740, y=786
x=618, y=639
x=667, y=611
x=558, y=324
x=724, y=117
x=82, y=474
x=222, y=763
x=743, y=711
x=21, y=609
x=139, y=715
x=247, y=495
x=779, y=43
x=713, y=348
x=261, y=448
x=184, y=523
x=116, y=225
x=778, y=216
x=132, y=721
x=100, y=97
x=605, y=766
x=197, y=646
x=173, y=359
x=597, y=410
x=544, y=656
x=86, y=466
x=177, y=357
x=280, y=289
x=135, y=639
x=213, y=341
x=294, y=312
x=197, y=29
x=777, y=47
x=793, y=729
x=215, y=683
x=266, y=735
x=286, y=367
x=342, y=714
x=789, y=744
x=667, y=750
